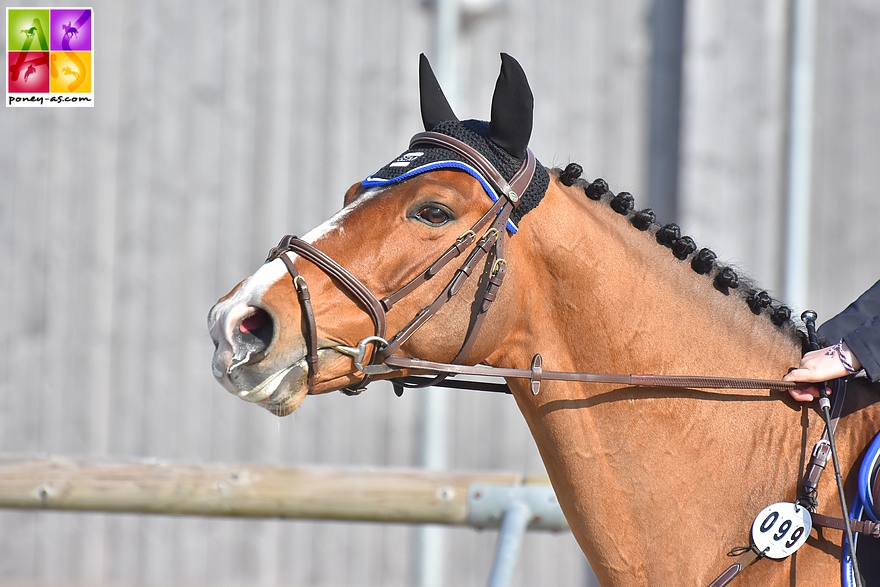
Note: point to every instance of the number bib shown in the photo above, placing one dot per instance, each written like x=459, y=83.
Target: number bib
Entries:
x=782, y=528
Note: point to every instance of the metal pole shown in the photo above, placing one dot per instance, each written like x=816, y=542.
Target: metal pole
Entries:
x=513, y=526
x=432, y=542
x=433, y=539
x=800, y=152
x=664, y=143
x=446, y=42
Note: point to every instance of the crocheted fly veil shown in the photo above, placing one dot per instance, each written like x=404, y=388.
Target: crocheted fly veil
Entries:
x=503, y=140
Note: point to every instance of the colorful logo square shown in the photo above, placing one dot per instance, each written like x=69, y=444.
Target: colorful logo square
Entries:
x=71, y=30
x=70, y=72
x=27, y=29
x=50, y=57
x=28, y=72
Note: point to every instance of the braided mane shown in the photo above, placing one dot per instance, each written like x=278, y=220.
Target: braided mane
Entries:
x=703, y=261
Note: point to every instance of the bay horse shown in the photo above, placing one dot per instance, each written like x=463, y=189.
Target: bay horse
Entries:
x=658, y=483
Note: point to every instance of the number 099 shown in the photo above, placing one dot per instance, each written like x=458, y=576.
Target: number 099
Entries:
x=780, y=529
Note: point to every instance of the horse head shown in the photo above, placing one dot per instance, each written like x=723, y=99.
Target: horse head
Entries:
x=378, y=277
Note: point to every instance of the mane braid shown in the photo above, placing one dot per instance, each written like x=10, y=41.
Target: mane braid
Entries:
x=703, y=261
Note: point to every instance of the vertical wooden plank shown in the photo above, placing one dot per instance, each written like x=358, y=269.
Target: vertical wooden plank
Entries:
x=99, y=261
x=97, y=275
x=140, y=29
x=27, y=184
x=733, y=133
x=846, y=143
x=312, y=200
x=138, y=112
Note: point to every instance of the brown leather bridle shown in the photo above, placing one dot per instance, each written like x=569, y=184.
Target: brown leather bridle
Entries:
x=489, y=246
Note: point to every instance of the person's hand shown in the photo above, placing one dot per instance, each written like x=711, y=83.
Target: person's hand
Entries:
x=818, y=367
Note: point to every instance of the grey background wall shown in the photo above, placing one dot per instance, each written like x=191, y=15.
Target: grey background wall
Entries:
x=220, y=126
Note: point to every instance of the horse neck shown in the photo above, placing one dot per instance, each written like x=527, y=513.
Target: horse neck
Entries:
x=601, y=296
x=615, y=300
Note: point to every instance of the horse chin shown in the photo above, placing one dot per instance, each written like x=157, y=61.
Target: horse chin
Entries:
x=287, y=405
x=282, y=391
x=290, y=391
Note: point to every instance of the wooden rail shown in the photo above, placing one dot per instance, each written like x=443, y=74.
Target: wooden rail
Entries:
x=403, y=496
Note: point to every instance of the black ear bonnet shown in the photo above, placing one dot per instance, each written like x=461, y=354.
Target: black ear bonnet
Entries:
x=503, y=141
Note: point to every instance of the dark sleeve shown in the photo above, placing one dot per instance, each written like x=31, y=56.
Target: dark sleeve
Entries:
x=859, y=327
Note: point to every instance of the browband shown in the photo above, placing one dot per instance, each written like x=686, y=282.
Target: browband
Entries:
x=512, y=190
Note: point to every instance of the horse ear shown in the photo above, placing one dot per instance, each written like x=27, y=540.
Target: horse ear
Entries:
x=435, y=107
x=350, y=194
x=512, y=106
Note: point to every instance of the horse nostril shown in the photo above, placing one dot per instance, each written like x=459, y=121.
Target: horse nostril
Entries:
x=255, y=322
x=254, y=333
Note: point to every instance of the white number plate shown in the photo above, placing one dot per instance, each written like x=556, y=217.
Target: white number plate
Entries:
x=782, y=528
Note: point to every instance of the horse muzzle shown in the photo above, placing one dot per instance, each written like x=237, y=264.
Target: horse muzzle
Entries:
x=242, y=336
x=253, y=361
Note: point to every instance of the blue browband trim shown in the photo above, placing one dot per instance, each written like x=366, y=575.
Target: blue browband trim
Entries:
x=371, y=181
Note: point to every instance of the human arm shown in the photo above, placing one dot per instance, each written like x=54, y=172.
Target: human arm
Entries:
x=820, y=366
x=859, y=327
x=858, y=330
x=864, y=343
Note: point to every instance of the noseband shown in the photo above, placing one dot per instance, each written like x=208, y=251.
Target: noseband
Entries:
x=489, y=246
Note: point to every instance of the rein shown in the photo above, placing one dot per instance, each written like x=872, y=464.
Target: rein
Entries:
x=537, y=374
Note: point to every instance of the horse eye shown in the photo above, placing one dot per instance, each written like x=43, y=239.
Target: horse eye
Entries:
x=433, y=215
